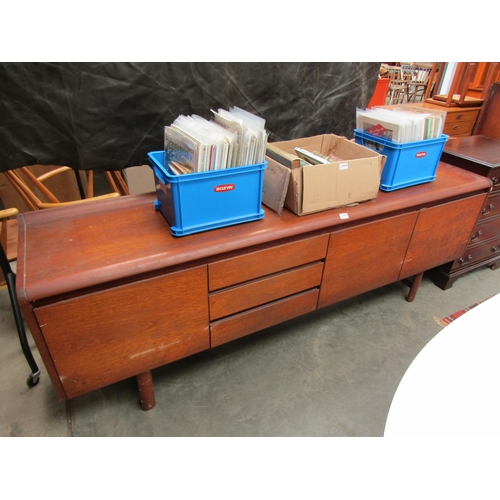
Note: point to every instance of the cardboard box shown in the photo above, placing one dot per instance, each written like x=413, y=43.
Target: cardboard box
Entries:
x=140, y=179
x=276, y=180
x=314, y=188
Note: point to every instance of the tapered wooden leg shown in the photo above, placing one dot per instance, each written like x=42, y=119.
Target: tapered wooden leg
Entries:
x=146, y=390
x=417, y=279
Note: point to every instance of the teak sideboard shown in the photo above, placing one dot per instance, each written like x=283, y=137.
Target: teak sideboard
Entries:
x=108, y=293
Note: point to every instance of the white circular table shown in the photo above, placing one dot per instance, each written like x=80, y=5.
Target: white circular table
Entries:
x=452, y=387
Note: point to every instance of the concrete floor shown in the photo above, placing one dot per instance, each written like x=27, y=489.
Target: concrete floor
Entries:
x=329, y=373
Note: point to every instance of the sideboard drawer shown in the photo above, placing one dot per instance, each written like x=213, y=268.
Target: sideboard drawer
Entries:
x=242, y=324
x=261, y=263
x=243, y=297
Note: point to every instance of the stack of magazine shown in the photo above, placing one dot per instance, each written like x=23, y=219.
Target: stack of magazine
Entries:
x=401, y=124
x=229, y=139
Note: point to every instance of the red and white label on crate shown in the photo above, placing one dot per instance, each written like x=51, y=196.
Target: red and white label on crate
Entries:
x=223, y=188
x=421, y=154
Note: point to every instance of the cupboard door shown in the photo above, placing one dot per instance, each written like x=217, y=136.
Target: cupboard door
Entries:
x=441, y=234
x=107, y=336
x=365, y=257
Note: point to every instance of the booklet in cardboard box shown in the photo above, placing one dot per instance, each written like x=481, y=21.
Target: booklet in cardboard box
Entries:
x=351, y=175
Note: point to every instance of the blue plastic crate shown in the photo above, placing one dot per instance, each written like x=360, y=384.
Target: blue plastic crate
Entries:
x=200, y=201
x=407, y=164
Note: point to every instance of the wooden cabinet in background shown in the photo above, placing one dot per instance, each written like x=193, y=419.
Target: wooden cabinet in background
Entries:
x=469, y=84
x=481, y=155
x=460, y=121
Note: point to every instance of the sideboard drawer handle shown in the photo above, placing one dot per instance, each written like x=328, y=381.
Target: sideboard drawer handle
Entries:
x=495, y=181
x=459, y=117
x=495, y=249
x=456, y=127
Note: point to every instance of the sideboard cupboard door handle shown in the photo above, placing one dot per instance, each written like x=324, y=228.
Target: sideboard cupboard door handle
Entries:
x=495, y=181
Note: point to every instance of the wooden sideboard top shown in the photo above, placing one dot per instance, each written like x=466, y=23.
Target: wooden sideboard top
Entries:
x=66, y=249
x=476, y=148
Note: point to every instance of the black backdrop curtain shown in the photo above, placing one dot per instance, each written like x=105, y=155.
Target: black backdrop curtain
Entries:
x=110, y=115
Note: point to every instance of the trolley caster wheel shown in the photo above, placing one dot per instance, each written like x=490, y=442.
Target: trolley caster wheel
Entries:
x=33, y=379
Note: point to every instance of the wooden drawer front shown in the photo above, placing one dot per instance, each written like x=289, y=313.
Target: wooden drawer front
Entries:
x=475, y=254
x=458, y=129
x=261, y=263
x=462, y=116
x=262, y=291
x=271, y=314
x=485, y=231
x=441, y=234
x=491, y=208
x=107, y=336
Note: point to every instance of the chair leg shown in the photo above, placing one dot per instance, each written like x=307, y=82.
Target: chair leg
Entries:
x=10, y=278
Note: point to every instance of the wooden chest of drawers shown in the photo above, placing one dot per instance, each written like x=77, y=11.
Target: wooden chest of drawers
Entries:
x=460, y=121
x=481, y=155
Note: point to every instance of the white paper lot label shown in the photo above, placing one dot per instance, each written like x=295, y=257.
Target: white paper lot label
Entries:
x=344, y=216
x=343, y=166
